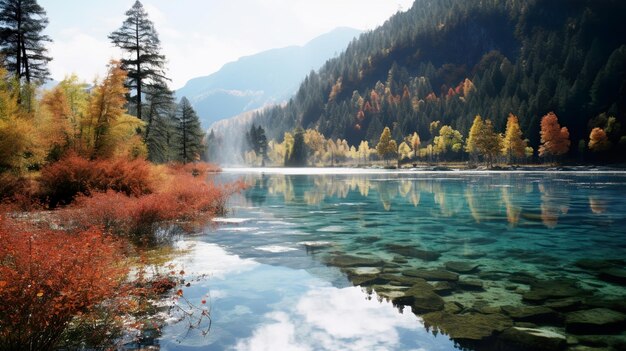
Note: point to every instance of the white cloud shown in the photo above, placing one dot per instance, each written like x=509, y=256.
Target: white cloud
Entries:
x=80, y=53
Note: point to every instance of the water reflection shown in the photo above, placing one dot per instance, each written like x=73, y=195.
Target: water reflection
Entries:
x=509, y=198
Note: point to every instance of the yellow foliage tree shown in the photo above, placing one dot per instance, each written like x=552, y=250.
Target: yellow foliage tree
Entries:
x=386, y=146
x=513, y=146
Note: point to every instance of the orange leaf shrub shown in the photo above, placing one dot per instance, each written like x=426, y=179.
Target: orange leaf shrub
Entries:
x=62, y=181
x=182, y=201
x=47, y=277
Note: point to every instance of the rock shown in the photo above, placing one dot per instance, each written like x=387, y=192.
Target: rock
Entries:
x=354, y=261
x=482, y=241
x=461, y=266
x=595, y=321
x=409, y=251
x=364, y=270
x=484, y=308
x=474, y=255
x=400, y=280
x=522, y=278
x=594, y=265
x=421, y=298
x=613, y=275
x=444, y=288
x=542, y=290
x=470, y=326
x=470, y=285
x=537, y=314
x=565, y=305
x=615, y=304
x=434, y=275
x=452, y=307
x=518, y=338
x=492, y=275
x=366, y=279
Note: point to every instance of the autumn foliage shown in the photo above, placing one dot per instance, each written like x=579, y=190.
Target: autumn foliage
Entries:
x=554, y=138
x=62, y=181
x=47, y=277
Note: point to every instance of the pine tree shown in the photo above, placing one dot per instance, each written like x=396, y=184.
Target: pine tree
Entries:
x=189, y=135
x=160, y=107
x=297, y=155
x=140, y=40
x=22, y=41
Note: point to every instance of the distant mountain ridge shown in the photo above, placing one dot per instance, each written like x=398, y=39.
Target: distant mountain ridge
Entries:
x=265, y=78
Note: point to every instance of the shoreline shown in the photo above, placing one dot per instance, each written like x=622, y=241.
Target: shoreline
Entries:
x=570, y=170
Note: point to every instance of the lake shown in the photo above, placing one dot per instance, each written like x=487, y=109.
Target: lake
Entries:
x=380, y=260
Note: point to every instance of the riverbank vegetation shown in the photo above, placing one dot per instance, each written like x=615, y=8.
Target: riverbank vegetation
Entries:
x=93, y=179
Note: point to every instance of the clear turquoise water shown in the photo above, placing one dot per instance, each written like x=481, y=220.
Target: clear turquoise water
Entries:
x=270, y=287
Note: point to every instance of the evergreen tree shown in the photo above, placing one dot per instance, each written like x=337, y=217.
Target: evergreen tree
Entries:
x=189, y=135
x=160, y=107
x=22, y=41
x=140, y=40
x=297, y=154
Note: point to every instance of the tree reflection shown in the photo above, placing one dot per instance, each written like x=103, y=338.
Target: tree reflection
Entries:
x=554, y=202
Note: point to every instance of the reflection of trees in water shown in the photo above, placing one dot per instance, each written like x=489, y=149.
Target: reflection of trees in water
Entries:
x=597, y=204
x=281, y=184
x=486, y=199
x=554, y=202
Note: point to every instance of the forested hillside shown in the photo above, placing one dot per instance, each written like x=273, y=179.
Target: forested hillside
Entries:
x=450, y=60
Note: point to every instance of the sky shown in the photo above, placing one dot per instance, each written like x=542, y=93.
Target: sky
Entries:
x=199, y=36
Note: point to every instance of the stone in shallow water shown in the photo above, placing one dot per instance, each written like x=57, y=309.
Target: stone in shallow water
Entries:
x=461, y=266
x=452, y=307
x=613, y=275
x=565, y=305
x=354, y=261
x=470, y=326
x=522, y=278
x=409, y=251
x=421, y=298
x=518, y=338
x=444, y=288
x=542, y=290
x=435, y=274
x=595, y=321
x=594, y=265
x=470, y=285
x=537, y=314
x=401, y=280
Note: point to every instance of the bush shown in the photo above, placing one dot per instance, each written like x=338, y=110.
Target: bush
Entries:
x=47, y=277
x=62, y=181
x=182, y=201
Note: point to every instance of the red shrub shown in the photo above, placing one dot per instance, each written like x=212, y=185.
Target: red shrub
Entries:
x=184, y=201
x=62, y=181
x=47, y=277
x=196, y=169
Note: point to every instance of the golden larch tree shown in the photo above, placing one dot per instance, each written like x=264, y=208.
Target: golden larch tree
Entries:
x=513, y=145
x=386, y=146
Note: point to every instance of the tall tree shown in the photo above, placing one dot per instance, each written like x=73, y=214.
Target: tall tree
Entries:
x=140, y=40
x=513, y=144
x=598, y=141
x=387, y=148
x=22, y=41
x=188, y=131
x=160, y=107
x=554, y=139
x=297, y=154
x=473, y=139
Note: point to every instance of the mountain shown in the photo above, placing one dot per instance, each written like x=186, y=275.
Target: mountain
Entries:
x=265, y=78
x=450, y=60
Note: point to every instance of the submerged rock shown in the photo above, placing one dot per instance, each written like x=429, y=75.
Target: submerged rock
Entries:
x=613, y=275
x=461, y=267
x=594, y=265
x=542, y=290
x=595, y=321
x=470, y=285
x=444, y=288
x=537, y=314
x=470, y=326
x=422, y=299
x=518, y=338
x=434, y=275
x=409, y=251
x=354, y=261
